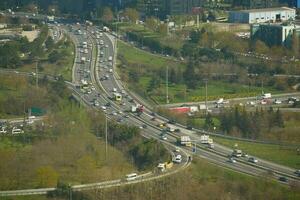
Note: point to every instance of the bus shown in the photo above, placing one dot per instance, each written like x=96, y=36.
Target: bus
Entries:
x=117, y=96
x=131, y=177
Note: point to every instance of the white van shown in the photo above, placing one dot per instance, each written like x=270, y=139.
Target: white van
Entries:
x=16, y=130
x=131, y=177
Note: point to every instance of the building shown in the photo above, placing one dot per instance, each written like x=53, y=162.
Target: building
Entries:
x=254, y=4
x=162, y=8
x=262, y=15
x=291, y=3
x=274, y=34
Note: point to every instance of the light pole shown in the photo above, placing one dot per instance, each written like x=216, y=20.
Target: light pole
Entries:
x=167, y=84
x=206, y=80
x=36, y=73
x=106, y=137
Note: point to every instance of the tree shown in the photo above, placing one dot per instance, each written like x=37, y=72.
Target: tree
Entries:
x=278, y=119
x=151, y=23
x=261, y=47
x=46, y=177
x=209, y=123
x=131, y=14
x=295, y=44
x=107, y=15
x=163, y=29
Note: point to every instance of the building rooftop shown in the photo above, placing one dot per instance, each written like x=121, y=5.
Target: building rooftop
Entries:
x=268, y=10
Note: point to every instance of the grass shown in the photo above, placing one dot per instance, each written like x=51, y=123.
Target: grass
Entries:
x=217, y=89
x=137, y=56
x=282, y=155
x=145, y=61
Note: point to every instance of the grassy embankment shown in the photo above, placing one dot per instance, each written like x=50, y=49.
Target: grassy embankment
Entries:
x=146, y=63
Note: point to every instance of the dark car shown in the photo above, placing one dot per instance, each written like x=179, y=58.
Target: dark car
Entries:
x=189, y=127
x=108, y=104
x=177, y=130
x=172, y=121
x=283, y=179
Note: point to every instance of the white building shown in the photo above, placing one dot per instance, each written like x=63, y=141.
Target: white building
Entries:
x=262, y=15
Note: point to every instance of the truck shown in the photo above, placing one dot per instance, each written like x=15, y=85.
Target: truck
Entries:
x=83, y=60
x=237, y=153
x=139, y=109
x=266, y=96
x=204, y=139
x=185, y=141
x=110, y=58
x=163, y=166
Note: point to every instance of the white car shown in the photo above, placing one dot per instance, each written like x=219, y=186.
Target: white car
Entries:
x=103, y=107
x=3, y=130
x=232, y=160
x=277, y=101
x=177, y=159
x=253, y=160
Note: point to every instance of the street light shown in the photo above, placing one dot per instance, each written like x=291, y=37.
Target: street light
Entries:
x=205, y=80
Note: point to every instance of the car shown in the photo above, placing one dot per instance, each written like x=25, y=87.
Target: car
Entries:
x=3, y=130
x=108, y=104
x=172, y=121
x=164, y=137
x=177, y=130
x=144, y=126
x=277, y=101
x=232, y=160
x=126, y=116
x=153, y=119
x=245, y=155
x=189, y=127
x=177, y=159
x=103, y=107
x=114, y=113
x=16, y=130
x=153, y=114
x=253, y=160
x=297, y=172
x=283, y=179
x=177, y=150
x=120, y=120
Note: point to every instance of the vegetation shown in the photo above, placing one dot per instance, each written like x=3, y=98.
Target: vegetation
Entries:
x=286, y=155
x=202, y=181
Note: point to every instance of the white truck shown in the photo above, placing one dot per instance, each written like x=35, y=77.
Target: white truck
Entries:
x=83, y=60
x=204, y=139
x=266, y=96
x=110, y=58
x=185, y=141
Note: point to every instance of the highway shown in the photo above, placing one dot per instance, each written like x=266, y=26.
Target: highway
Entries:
x=102, y=79
x=218, y=155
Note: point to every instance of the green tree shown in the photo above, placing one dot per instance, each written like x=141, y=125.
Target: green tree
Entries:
x=131, y=14
x=107, y=15
x=151, y=23
x=46, y=177
x=209, y=123
x=278, y=119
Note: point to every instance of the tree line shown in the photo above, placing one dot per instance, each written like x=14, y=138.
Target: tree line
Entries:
x=251, y=125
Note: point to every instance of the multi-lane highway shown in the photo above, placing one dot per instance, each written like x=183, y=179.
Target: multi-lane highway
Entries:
x=95, y=82
x=218, y=155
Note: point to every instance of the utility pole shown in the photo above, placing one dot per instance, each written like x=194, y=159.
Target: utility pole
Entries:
x=105, y=137
x=206, y=80
x=36, y=74
x=167, y=84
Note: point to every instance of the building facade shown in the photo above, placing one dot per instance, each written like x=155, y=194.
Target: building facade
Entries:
x=274, y=34
x=262, y=15
x=251, y=4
